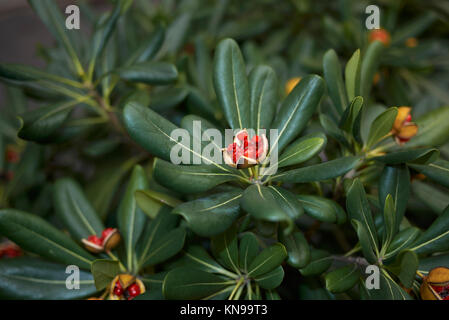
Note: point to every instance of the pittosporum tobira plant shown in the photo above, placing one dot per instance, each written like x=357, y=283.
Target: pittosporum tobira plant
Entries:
x=166, y=160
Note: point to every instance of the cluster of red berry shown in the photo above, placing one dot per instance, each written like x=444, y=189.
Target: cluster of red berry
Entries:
x=129, y=293
x=251, y=151
x=443, y=291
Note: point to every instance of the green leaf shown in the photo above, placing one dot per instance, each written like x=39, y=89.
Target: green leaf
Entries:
x=318, y=208
x=381, y=126
x=389, y=220
x=103, y=31
x=405, y=267
x=188, y=283
x=296, y=110
x=248, y=250
x=149, y=129
x=388, y=289
x=153, y=133
x=263, y=85
x=369, y=66
x=154, y=235
x=153, y=73
x=267, y=260
x=358, y=209
x=319, y=172
x=104, y=271
x=23, y=73
x=151, y=201
x=26, y=278
x=231, y=84
x=272, y=279
x=334, y=80
x=433, y=197
x=50, y=15
x=191, y=179
x=130, y=218
x=332, y=130
x=271, y=204
x=41, y=123
x=34, y=234
x=75, y=211
x=211, y=215
x=352, y=75
x=342, y=279
x=350, y=120
x=303, y=149
x=198, y=258
x=395, y=180
x=225, y=249
x=436, y=237
x=102, y=188
x=163, y=248
x=415, y=156
x=403, y=240
x=432, y=129
x=148, y=49
x=427, y=264
x=166, y=98
x=320, y=261
x=365, y=241
x=437, y=171
x=297, y=248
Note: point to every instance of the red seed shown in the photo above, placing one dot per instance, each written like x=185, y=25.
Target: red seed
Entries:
x=106, y=232
x=408, y=118
x=118, y=290
x=95, y=240
x=133, y=290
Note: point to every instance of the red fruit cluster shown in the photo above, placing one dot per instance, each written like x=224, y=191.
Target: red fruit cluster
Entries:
x=130, y=293
x=252, y=149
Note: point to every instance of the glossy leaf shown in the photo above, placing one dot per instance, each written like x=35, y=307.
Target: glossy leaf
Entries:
x=358, y=209
x=389, y=220
x=104, y=271
x=334, y=80
x=302, y=149
x=225, y=249
x=75, y=211
x=231, y=84
x=211, y=215
x=381, y=126
x=36, y=235
x=188, y=283
x=395, y=180
x=320, y=261
x=436, y=237
x=248, y=250
x=298, y=249
x=342, y=279
x=151, y=201
x=40, y=124
x=318, y=208
x=153, y=73
x=365, y=241
x=319, y=172
x=272, y=279
x=403, y=240
x=350, y=120
x=368, y=68
x=405, y=267
x=437, y=171
x=26, y=278
x=415, y=156
x=267, y=260
x=352, y=75
x=263, y=86
x=130, y=218
x=296, y=110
